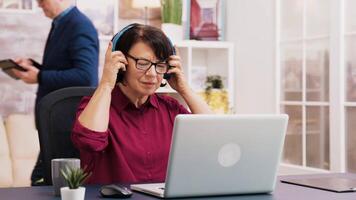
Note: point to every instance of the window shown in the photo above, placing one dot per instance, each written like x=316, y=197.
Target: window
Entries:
x=350, y=84
x=304, y=81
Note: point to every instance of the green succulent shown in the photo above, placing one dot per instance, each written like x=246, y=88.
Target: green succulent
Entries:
x=214, y=82
x=172, y=11
x=75, y=177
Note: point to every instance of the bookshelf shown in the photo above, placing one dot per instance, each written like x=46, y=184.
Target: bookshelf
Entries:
x=205, y=58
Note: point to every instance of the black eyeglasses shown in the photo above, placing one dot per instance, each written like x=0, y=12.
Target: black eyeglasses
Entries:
x=144, y=64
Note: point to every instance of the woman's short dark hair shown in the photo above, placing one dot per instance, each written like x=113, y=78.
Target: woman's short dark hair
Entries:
x=151, y=36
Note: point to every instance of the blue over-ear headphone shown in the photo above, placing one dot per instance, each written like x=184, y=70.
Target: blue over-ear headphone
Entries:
x=116, y=39
x=118, y=35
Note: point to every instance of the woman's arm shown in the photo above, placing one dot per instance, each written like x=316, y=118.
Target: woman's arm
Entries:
x=85, y=139
x=195, y=103
x=95, y=116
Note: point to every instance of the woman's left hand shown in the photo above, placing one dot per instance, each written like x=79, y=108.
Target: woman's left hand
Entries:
x=177, y=80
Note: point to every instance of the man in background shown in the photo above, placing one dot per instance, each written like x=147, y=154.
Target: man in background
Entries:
x=70, y=57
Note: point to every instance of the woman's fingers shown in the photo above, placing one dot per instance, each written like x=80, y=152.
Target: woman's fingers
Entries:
x=117, y=53
x=115, y=59
x=174, y=61
x=118, y=56
x=173, y=70
x=174, y=57
x=108, y=52
x=120, y=65
x=174, y=64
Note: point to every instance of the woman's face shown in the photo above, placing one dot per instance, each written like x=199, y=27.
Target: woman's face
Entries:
x=142, y=82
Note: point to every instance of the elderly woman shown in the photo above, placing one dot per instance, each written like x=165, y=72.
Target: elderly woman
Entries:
x=124, y=130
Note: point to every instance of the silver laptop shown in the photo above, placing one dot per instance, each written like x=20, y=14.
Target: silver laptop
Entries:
x=221, y=155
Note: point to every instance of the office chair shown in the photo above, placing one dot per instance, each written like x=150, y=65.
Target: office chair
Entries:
x=55, y=118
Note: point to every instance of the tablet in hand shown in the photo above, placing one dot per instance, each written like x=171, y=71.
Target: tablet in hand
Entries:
x=36, y=64
x=7, y=66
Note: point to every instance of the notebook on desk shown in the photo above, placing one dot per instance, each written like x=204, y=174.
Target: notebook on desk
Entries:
x=335, y=184
x=221, y=155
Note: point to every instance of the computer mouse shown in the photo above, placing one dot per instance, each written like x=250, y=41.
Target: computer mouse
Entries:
x=115, y=191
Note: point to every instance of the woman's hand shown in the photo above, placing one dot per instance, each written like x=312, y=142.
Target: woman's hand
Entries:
x=114, y=61
x=177, y=80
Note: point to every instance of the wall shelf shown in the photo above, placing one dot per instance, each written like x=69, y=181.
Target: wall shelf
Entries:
x=203, y=58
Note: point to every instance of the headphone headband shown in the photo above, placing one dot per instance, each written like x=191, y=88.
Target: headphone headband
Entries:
x=118, y=35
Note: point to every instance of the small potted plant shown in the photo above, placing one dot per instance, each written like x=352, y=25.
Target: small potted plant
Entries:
x=171, y=12
x=213, y=82
x=215, y=95
x=74, y=177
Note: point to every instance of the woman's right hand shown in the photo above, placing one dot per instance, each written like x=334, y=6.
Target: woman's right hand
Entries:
x=114, y=61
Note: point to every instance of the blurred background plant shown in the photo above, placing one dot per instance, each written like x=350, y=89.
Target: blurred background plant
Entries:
x=213, y=82
x=215, y=95
x=171, y=11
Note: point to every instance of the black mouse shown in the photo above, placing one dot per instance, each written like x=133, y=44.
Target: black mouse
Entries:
x=115, y=191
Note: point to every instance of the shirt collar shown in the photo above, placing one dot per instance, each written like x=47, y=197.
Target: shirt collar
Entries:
x=62, y=14
x=120, y=101
x=154, y=101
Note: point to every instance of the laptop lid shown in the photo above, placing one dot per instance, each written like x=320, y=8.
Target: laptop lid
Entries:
x=224, y=154
x=335, y=184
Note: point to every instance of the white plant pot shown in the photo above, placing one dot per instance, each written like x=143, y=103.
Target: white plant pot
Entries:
x=72, y=194
x=173, y=31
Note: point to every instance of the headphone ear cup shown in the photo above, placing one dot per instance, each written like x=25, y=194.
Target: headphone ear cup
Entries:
x=172, y=46
x=166, y=76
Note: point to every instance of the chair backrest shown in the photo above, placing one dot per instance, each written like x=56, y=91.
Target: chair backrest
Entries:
x=55, y=118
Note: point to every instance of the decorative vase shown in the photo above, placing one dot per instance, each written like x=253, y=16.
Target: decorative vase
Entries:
x=72, y=194
x=173, y=31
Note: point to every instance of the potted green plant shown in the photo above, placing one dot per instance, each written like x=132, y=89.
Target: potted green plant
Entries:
x=213, y=82
x=215, y=95
x=74, y=177
x=171, y=12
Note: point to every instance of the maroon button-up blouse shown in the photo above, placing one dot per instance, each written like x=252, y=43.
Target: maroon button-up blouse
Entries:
x=135, y=147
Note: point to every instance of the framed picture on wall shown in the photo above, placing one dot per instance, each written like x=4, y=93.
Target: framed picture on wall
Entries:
x=133, y=11
x=103, y=14
x=207, y=19
x=17, y=5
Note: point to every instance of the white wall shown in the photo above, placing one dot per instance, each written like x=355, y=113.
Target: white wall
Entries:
x=251, y=26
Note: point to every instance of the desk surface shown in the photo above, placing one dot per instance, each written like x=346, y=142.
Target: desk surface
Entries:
x=283, y=191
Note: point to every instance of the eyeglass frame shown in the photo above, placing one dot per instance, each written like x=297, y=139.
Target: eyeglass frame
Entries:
x=151, y=63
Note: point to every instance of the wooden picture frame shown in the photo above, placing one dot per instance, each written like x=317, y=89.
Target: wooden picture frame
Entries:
x=18, y=6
